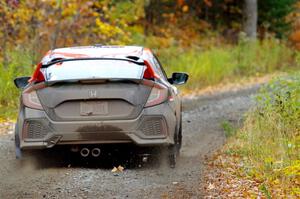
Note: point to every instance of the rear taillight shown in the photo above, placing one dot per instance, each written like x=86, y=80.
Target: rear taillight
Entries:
x=157, y=96
x=31, y=100
x=149, y=72
x=40, y=77
x=37, y=75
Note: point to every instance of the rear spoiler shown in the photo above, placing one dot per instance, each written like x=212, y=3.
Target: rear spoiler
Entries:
x=149, y=73
x=89, y=81
x=141, y=62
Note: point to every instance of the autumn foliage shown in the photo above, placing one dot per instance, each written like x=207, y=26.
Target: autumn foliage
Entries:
x=37, y=25
x=43, y=25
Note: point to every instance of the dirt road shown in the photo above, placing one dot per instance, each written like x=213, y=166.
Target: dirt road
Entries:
x=59, y=176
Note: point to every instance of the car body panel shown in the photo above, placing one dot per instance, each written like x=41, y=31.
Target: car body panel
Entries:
x=101, y=101
x=101, y=110
x=100, y=132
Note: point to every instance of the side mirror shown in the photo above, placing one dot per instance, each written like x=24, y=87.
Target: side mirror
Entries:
x=21, y=82
x=178, y=78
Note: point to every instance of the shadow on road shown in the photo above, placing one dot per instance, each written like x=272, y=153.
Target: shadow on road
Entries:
x=113, y=156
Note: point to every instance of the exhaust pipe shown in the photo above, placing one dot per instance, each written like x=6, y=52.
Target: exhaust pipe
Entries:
x=84, y=152
x=96, y=152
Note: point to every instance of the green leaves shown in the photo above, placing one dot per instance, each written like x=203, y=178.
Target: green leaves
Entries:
x=272, y=15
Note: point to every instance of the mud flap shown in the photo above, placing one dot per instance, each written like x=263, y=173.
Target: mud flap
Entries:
x=172, y=155
x=174, y=150
x=18, y=150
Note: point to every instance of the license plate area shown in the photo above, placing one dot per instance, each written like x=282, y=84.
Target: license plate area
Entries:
x=93, y=108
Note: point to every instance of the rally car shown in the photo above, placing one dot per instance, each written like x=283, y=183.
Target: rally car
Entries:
x=89, y=96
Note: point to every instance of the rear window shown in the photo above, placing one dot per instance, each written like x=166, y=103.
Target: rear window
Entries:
x=93, y=69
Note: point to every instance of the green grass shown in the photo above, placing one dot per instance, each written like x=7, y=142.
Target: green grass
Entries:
x=18, y=65
x=228, y=128
x=226, y=63
x=270, y=138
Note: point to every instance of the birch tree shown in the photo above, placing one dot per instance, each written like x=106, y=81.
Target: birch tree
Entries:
x=250, y=13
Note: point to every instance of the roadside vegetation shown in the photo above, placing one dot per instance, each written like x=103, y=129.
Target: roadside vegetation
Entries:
x=266, y=149
x=19, y=66
x=270, y=138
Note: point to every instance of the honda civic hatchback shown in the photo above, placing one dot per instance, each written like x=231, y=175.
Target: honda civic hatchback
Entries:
x=99, y=95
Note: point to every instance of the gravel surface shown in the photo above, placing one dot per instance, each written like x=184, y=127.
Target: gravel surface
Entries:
x=57, y=175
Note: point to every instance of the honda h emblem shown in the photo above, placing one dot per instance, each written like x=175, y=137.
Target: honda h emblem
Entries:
x=93, y=93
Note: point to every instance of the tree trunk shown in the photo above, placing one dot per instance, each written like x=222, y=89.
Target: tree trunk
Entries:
x=250, y=13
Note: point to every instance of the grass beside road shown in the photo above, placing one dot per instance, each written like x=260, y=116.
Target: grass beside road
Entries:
x=227, y=63
x=19, y=65
x=206, y=66
x=266, y=150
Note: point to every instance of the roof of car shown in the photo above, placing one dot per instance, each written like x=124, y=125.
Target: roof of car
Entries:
x=95, y=51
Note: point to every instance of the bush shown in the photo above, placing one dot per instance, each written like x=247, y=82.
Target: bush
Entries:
x=271, y=137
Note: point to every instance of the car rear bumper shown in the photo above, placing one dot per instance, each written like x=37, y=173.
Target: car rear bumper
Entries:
x=154, y=126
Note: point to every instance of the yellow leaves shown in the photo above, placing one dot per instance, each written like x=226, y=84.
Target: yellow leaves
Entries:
x=105, y=28
x=22, y=15
x=51, y=2
x=276, y=182
x=293, y=169
x=185, y=8
x=117, y=170
x=110, y=32
x=269, y=160
x=69, y=10
x=95, y=14
x=52, y=23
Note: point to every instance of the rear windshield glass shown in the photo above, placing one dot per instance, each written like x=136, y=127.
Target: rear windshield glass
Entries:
x=93, y=69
